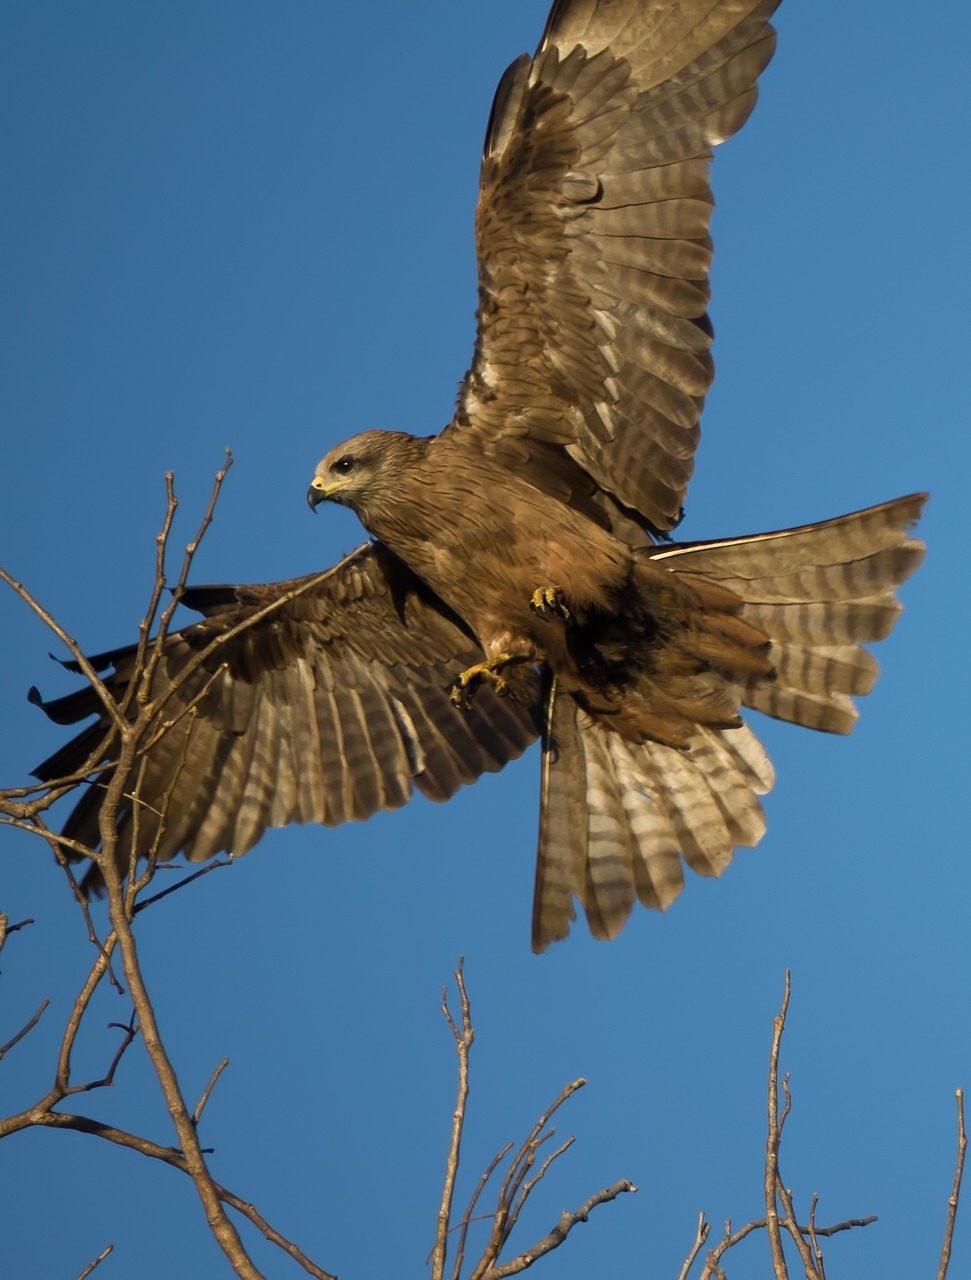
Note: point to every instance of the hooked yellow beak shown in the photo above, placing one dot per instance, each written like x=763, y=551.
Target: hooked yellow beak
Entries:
x=322, y=490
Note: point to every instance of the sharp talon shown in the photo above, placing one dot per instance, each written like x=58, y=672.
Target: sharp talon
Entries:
x=550, y=602
x=464, y=689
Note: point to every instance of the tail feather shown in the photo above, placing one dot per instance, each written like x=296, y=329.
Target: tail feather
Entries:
x=843, y=541
x=819, y=592
x=619, y=816
x=828, y=622
x=562, y=854
x=608, y=890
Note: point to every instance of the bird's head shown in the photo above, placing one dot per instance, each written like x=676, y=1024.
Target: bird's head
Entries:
x=364, y=471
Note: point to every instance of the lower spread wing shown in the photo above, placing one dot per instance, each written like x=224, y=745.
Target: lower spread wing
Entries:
x=592, y=236
x=325, y=709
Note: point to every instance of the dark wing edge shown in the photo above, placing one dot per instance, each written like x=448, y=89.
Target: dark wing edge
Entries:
x=327, y=709
x=592, y=236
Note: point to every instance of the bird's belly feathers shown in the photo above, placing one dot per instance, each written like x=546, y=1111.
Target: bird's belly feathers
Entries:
x=486, y=554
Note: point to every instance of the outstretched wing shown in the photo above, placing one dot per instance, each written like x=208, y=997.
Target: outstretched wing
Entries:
x=592, y=235
x=326, y=709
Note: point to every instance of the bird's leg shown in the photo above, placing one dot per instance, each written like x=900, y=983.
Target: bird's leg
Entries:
x=550, y=602
x=463, y=690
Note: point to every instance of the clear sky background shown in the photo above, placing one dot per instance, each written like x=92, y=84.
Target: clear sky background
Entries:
x=250, y=224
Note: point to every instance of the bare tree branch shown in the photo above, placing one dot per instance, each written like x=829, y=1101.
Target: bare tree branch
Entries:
x=222, y=1229
x=134, y=726
x=463, y=1043
x=952, y=1204
x=6, y=928
x=72, y=646
x=701, y=1235
x=559, y=1233
x=463, y=1226
x=173, y=1157
x=174, y=888
x=200, y=1105
x=94, y=1262
x=772, y=1145
x=814, y=1238
x=25, y=1030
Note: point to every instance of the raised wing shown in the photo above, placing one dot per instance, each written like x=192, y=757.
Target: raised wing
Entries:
x=327, y=709
x=592, y=234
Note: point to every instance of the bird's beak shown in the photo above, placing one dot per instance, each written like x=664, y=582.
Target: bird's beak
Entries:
x=320, y=491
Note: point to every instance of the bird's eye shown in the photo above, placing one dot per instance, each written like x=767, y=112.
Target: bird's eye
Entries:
x=343, y=465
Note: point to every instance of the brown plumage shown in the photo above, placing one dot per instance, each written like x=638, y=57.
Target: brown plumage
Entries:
x=515, y=553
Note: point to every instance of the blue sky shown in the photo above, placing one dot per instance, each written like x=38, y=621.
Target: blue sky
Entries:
x=248, y=224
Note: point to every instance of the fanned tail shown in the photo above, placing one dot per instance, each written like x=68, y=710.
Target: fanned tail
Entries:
x=819, y=592
x=618, y=817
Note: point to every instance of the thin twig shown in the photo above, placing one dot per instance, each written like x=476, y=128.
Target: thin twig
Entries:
x=467, y=1216
x=814, y=1239
x=952, y=1204
x=730, y=1239
x=176, y=1160
x=166, y=726
x=33, y=826
x=138, y=689
x=108, y=1079
x=788, y=1106
x=798, y=1238
x=701, y=1235
x=137, y=883
x=82, y=901
x=506, y=1208
x=26, y=1029
x=94, y=1262
x=131, y=1031
x=6, y=928
x=193, y=546
x=772, y=1144
x=174, y=888
x=141, y=688
x=223, y=1230
x=463, y=1043
x=105, y=698
x=200, y=1105
x=528, y=1186
x=727, y=1242
x=559, y=1233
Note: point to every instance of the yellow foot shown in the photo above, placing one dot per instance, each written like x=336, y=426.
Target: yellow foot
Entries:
x=550, y=602
x=463, y=690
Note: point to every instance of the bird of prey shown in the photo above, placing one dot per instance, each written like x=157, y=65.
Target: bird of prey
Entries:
x=521, y=581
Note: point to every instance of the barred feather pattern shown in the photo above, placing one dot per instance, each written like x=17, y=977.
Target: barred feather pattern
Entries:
x=593, y=237
x=619, y=819
x=330, y=708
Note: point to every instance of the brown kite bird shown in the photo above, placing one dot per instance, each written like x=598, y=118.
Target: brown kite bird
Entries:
x=522, y=552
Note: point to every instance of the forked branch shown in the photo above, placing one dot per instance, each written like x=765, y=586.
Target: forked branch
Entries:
x=516, y=1185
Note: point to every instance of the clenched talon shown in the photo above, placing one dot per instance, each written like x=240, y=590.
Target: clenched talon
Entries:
x=549, y=602
x=464, y=688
